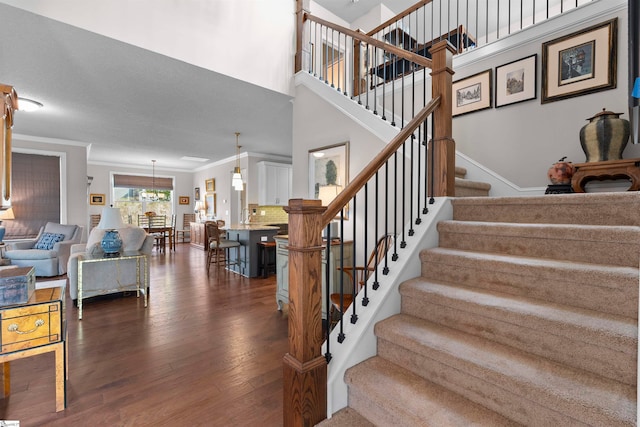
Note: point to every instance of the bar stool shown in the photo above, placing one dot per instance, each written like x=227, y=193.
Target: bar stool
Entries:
x=267, y=258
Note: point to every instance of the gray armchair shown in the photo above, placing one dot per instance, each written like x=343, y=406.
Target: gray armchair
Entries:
x=48, y=252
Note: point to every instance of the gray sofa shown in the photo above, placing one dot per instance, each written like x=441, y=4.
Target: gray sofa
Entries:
x=48, y=252
x=105, y=277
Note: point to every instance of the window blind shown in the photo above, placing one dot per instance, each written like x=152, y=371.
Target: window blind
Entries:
x=142, y=182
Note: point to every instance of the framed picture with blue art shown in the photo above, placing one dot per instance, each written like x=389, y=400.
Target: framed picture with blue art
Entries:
x=580, y=63
x=329, y=172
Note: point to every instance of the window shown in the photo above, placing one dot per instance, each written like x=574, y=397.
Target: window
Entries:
x=136, y=194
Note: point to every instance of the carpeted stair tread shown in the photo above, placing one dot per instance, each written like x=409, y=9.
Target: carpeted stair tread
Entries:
x=585, y=243
x=574, y=393
x=395, y=396
x=605, y=288
x=584, y=339
x=468, y=188
x=619, y=208
x=346, y=417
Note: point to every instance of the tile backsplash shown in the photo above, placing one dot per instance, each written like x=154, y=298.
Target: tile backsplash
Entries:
x=272, y=214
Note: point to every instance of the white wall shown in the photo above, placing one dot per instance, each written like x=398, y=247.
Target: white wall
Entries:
x=223, y=36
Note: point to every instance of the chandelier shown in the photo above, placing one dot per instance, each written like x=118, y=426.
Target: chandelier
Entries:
x=153, y=195
x=236, y=180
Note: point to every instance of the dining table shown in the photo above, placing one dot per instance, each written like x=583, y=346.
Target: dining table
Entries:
x=161, y=229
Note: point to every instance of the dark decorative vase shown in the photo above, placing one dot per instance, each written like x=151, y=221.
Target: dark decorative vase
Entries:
x=605, y=136
x=111, y=243
x=560, y=172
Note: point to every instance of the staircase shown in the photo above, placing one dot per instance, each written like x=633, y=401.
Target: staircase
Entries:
x=526, y=313
x=468, y=188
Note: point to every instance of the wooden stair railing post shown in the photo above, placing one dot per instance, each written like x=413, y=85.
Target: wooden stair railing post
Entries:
x=305, y=368
x=442, y=146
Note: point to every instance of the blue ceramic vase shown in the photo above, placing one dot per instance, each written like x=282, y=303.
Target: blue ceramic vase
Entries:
x=111, y=243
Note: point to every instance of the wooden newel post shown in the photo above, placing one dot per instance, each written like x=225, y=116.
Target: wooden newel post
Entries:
x=305, y=368
x=442, y=146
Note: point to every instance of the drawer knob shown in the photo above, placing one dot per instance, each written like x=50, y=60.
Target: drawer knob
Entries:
x=14, y=327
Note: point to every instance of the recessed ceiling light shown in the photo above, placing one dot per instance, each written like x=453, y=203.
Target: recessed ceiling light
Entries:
x=26, y=104
x=194, y=159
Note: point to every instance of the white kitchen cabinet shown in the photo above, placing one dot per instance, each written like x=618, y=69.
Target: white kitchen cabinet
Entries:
x=275, y=182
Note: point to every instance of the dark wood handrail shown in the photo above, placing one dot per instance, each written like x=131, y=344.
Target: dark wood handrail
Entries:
x=399, y=16
x=397, y=51
x=370, y=170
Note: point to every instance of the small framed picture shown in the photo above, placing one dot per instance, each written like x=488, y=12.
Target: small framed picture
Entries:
x=183, y=200
x=516, y=81
x=472, y=93
x=210, y=185
x=196, y=193
x=580, y=63
x=96, y=199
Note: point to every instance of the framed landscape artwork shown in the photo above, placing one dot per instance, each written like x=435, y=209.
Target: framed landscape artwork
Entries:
x=580, y=63
x=96, y=199
x=210, y=185
x=472, y=93
x=516, y=81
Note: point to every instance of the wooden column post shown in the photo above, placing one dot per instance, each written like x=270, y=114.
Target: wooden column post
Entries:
x=7, y=107
x=305, y=368
x=442, y=146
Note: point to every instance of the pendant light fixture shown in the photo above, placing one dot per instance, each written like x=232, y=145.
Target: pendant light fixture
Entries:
x=236, y=180
x=153, y=195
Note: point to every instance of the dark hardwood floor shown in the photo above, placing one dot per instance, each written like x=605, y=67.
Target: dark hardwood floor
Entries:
x=206, y=352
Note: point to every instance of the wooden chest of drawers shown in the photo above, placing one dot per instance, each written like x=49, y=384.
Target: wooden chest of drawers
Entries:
x=34, y=323
x=33, y=328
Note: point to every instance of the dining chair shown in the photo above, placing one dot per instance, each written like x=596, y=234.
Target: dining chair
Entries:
x=158, y=222
x=187, y=219
x=341, y=302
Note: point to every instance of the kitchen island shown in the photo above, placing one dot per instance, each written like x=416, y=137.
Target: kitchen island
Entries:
x=248, y=235
x=282, y=270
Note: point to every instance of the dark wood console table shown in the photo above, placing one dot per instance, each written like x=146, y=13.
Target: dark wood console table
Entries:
x=610, y=169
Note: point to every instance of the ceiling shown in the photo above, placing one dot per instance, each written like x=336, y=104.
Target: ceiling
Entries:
x=132, y=105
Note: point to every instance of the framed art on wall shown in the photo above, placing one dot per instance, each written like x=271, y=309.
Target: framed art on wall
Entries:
x=196, y=193
x=210, y=185
x=328, y=172
x=96, y=199
x=580, y=63
x=516, y=81
x=210, y=201
x=183, y=200
x=472, y=93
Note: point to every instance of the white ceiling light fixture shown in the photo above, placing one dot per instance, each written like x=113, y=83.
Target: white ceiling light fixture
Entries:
x=236, y=180
x=26, y=104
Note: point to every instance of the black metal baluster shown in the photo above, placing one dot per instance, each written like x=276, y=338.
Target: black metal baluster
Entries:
x=385, y=270
x=428, y=175
x=376, y=284
x=365, y=299
x=431, y=172
x=333, y=58
x=417, y=178
x=375, y=86
x=341, y=335
x=403, y=243
x=354, y=288
x=395, y=205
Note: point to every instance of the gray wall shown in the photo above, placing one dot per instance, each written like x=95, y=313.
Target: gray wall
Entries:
x=521, y=141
